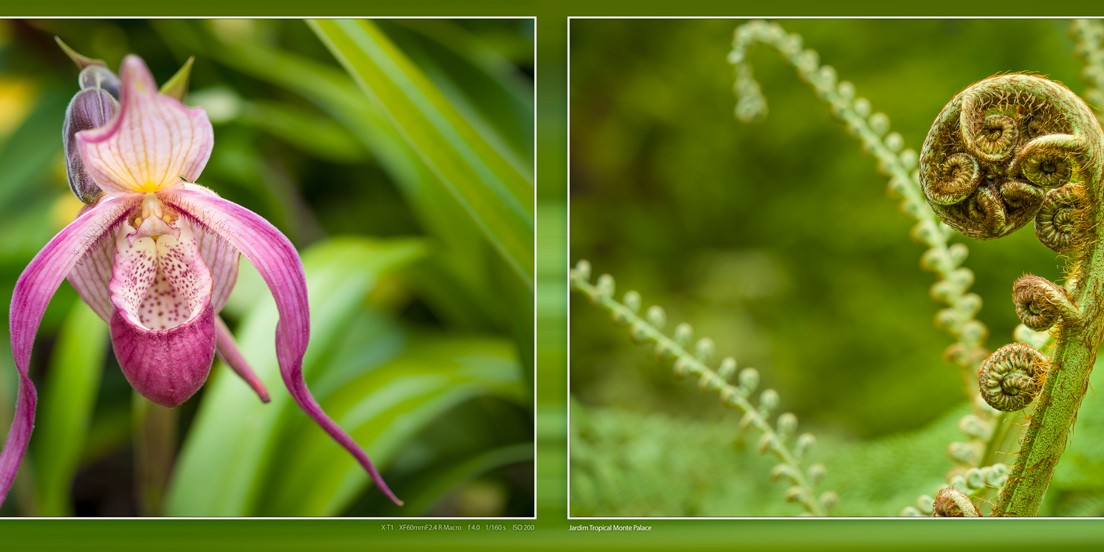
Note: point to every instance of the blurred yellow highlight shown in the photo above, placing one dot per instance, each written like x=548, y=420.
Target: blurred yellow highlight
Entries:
x=15, y=102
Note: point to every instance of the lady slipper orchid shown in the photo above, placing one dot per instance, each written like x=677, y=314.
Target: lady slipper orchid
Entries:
x=156, y=256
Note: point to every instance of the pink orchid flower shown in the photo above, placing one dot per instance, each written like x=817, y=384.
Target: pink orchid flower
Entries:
x=156, y=256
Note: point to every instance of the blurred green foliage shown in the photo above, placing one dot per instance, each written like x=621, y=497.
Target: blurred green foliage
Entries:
x=777, y=239
x=422, y=339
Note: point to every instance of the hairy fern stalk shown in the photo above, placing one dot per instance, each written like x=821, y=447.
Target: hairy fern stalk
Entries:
x=1006, y=151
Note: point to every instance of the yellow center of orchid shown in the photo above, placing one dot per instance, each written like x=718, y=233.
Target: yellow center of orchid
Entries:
x=148, y=187
x=154, y=219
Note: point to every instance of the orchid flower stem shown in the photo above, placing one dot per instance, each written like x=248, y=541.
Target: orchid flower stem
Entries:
x=154, y=452
x=26, y=492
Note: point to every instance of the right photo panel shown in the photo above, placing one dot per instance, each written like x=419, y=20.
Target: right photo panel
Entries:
x=835, y=268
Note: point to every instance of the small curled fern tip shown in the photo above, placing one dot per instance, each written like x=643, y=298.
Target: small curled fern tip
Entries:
x=1040, y=303
x=961, y=497
x=1004, y=148
x=953, y=503
x=1009, y=378
x=1058, y=223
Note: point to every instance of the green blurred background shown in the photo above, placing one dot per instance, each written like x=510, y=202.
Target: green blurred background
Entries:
x=422, y=317
x=778, y=241
x=552, y=531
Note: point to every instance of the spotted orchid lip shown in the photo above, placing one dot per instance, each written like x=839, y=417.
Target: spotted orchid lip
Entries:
x=166, y=366
x=156, y=257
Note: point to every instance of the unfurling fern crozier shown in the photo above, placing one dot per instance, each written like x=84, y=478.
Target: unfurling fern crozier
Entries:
x=1006, y=151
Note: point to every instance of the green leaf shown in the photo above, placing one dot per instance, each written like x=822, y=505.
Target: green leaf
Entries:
x=424, y=494
x=383, y=409
x=494, y=192
x=631, y=464
x=460, y=276
x=81, y=60
x=68, y=400
x=225, y=458
x=480, y=81
x=24, y=159
x=317, y=136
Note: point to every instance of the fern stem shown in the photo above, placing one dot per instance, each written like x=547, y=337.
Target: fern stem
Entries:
x=1064, y=389
x=1004, y=151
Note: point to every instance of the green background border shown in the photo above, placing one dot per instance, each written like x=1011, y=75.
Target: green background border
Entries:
x=551, y=529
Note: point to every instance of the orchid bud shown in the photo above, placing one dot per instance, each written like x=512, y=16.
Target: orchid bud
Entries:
x=94, y=106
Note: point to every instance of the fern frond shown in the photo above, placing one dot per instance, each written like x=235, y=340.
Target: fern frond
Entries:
x=691, y=358
x=977, y=484
x=1089, y=36
x=988, y=432
x=872, y=129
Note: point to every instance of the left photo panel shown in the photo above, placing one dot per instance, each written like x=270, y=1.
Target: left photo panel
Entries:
x=267, y=268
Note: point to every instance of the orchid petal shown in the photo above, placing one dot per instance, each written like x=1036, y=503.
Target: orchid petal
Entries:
x=227, y=348
x=151, y=144
x=278, y=263
x=32, y=293
x=91, y=274
x=222, y=260
x=101, y=78
x=165, y=366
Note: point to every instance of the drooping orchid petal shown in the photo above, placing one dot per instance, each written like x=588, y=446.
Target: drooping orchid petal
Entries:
x=32, y=293
x=278, y=263
x=153, y=142
x=228, y=350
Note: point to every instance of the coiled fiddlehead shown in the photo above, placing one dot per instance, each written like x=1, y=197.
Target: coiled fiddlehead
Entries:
x=1058, y=224
x=953, y=503
x=1009, y=378
x=1040, y=303
x=999, y=150
x=968, y=490
x=1004, y=151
